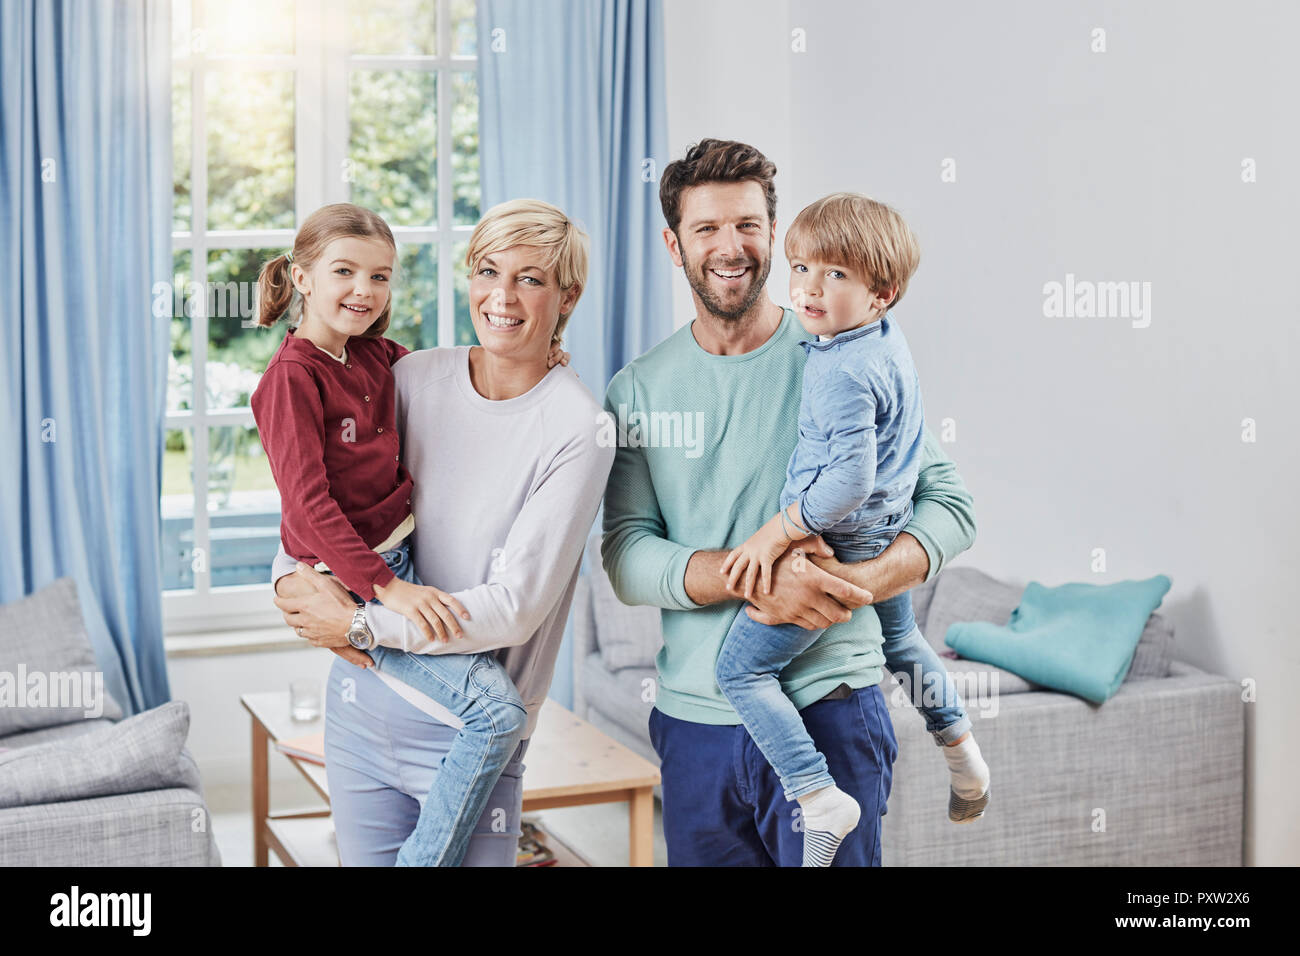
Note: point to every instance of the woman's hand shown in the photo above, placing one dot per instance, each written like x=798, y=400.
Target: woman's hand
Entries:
x=431, y=610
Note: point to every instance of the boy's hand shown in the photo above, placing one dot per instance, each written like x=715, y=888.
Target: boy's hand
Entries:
x=755, y=557
x=428, y=608
x=557, y=356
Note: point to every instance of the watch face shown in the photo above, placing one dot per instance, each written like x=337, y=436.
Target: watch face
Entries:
x=359, y=638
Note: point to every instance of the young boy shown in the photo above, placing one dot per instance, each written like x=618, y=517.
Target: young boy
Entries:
x=850, y=480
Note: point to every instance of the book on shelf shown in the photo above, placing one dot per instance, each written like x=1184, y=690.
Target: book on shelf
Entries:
x=532, y=850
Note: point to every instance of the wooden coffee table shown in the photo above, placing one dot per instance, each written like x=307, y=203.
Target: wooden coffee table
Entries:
x=568, y=763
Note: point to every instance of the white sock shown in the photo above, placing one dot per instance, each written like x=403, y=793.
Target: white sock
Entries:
x=970, y=774
x=829, y=815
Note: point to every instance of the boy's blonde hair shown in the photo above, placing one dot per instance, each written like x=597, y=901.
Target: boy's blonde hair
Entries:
x=276, y=295
x=531, y=222
x=851, y=229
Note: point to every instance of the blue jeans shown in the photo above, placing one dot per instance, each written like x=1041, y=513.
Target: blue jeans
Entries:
x=476, y=689
x=753, y=656
x=382, y=757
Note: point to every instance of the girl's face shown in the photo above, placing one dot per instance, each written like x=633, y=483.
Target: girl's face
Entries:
x=347, y=288
x=516, y=304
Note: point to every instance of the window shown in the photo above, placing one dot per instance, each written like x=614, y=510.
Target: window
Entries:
x=279, y=107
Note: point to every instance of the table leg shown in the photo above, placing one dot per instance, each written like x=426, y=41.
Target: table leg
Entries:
x=641, y=826
x=261, y=802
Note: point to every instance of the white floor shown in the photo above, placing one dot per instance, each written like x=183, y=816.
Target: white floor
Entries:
x=597, y=832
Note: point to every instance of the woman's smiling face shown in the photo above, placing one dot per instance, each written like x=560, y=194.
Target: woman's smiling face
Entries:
x=516, y=303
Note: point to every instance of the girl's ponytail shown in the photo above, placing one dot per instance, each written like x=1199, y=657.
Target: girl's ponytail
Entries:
x=274, y=290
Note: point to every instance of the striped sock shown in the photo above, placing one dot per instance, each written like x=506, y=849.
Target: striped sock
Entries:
x=969, y=793
x=829, y=815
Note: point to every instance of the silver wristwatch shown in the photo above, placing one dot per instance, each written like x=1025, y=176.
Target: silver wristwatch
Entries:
x=359, y=634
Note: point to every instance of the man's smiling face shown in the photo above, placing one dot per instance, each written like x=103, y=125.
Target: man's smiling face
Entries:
x=724, y=244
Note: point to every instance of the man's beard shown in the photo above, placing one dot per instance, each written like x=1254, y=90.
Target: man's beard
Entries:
x=700, y=283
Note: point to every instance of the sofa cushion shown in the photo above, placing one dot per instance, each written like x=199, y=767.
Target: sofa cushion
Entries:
x=46, y=734
x=1078, y=638
x=625, y=697
x=141, y=753
x=967, y=594
x=45, y=657
x=626, y=636
x=1155, y=650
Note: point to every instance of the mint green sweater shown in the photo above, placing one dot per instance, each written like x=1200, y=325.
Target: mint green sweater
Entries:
x=704, y=442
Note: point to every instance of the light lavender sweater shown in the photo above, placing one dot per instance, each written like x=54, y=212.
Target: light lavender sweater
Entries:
x=505, y=495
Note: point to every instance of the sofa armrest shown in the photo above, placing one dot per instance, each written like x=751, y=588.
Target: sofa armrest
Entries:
x=152, y=828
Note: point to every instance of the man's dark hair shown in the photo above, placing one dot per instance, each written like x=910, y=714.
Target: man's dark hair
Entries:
x=715, y=161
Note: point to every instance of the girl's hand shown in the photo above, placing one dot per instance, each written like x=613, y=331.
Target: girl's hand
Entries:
x=754, y=558
x=557, y=356
x=431, y=610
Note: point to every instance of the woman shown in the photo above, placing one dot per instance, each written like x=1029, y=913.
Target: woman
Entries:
x=508, y=475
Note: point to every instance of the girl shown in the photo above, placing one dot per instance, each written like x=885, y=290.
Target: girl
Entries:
x=325, y=411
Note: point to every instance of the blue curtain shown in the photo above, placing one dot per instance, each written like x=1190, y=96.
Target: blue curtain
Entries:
x=85, y=209
x=572, y=111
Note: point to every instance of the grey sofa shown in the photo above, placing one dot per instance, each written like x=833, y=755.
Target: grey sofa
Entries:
x=1153, y=777
x=78, y=791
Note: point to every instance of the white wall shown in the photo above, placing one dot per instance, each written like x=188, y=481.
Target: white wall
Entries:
x=1072, y=433
x=728, y=70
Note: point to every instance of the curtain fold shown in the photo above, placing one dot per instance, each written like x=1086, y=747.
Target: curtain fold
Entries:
x=85, y=221
x=572, y=111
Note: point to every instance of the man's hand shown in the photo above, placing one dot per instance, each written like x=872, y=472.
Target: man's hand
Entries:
x=900, y=567
x=804, y=594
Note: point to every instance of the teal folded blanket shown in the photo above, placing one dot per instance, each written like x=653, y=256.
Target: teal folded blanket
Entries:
x=1077, y=638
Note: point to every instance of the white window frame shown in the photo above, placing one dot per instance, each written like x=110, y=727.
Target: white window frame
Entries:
x=322, y=68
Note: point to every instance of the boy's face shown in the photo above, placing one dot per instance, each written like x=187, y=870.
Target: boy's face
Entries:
x=830, y=298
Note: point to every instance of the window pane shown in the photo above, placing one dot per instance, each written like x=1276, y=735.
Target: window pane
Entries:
x=465, y=334
x=464, y=42
x=415, y=298
x=464, y=148
x=180, y=27
x=182, y=152
x=237, y=349
x=180, y=363
x=393, y=148
x=248, y=27
x=177, y=505
x=250, y=149
x=394, y=27
x=244, y=527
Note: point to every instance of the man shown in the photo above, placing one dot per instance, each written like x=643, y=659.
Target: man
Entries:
x=673, y=513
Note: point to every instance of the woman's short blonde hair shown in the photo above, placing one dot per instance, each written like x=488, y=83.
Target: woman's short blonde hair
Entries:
x=853, y=230
x=531, y=222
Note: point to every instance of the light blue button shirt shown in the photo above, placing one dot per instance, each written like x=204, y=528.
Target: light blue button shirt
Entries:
x=860, y=430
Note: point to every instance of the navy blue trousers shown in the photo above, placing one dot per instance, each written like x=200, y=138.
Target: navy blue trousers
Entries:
x=724, y=805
